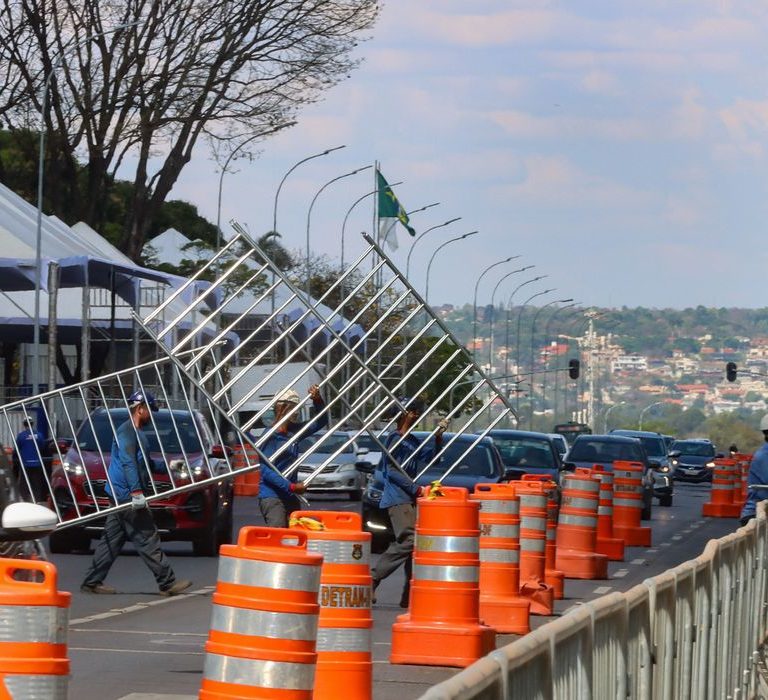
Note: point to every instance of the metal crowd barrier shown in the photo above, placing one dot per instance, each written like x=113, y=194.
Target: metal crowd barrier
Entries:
x=695, y=632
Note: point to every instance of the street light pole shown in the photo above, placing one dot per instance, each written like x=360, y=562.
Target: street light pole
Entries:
x=312, y=204
x=437, y=250
x=546, y=358
x=608, y=412
x=509, y=306
x=493, y=313
x=647, y=408
x=419, y=237
x=40, y=166
x=574, y=314
x=517, y=343
x=474, y=298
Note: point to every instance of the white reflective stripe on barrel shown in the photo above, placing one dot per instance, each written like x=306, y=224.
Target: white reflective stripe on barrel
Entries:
x=496, y=530
x=446, y=543
x=35, y=687
x=532, y=545
x=627, y=488
x=581, y=520
x=258, y=672
x=582, y=503
x=506, y=507
x=344, y=639
x=528, y=522
x=721, y=487
x=551, y=533
x=345, y=596
x=263, y=623
x=621, y=474
x=509, y=556
x=269, y=574
x=33, y=623
x=533, y=501
x=581, y=484
x=626, y=503
x=605, y=510
x=452, y=574
x=340, y=552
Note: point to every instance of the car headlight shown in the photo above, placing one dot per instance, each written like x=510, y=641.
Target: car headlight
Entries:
x=664, y=469
x=674, y=462
x=710, y=465
x=75, y=469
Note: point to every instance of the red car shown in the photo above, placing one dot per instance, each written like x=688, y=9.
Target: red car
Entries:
x=201, y=515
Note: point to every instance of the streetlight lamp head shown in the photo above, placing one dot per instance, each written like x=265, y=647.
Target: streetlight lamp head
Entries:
x=331, y=150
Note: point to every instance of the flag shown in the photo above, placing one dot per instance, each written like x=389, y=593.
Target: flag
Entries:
x=390, y=212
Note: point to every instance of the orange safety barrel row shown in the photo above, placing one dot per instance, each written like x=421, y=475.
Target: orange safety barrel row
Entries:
x=33, y=631
x=533, y=547
x=246, y=484
x=724, y=501
x=263, y=631
x=628, y=504
x=612, y=547
x=442, y=626
x=344, y=659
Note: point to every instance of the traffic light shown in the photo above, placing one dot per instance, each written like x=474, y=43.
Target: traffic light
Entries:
x=730, y=371
x=573, y=369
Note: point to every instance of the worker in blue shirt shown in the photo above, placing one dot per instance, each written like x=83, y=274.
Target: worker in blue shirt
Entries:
x=399, y=494
x=277, y=494
x=758, y=475
x=129, y=479
x=30, y=446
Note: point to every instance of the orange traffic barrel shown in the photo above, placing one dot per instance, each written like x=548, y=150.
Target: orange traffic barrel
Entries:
x=533, y=544
x=607, y=544
x=264, y=620
x=33, y=644
x=577, y=554
x=246, y=483
x=628, y=504
x=726, y=483
x=442, y=626
x=501, y=606
x=344, y=660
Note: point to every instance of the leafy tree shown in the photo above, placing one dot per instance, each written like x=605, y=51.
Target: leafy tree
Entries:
x=727, y=428
x=142, y=82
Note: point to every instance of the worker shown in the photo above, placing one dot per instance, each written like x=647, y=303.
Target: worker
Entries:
x=30, y=446
x=757, y=476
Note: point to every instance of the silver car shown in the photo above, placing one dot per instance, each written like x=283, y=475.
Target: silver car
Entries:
x=339, y=475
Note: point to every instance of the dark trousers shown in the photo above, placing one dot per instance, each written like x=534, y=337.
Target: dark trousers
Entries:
x=400, y=551
x=138, y=526
x=37, y=482
x=275, y=511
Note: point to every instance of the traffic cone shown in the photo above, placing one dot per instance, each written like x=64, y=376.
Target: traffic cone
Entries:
x=726, y=484
x=628, y=504
x=607, y=544
x=533, y=542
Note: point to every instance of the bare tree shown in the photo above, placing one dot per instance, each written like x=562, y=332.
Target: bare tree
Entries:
x=134, y=84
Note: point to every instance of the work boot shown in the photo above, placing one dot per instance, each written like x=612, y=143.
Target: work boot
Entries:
x=176, y=588
x=374, y=585
x=99, y=588
x=405, y=597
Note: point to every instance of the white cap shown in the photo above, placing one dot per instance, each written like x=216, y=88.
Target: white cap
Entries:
x=288, y=396
x=764, y=422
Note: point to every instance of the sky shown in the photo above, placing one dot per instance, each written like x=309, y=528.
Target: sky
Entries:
x=618, y=146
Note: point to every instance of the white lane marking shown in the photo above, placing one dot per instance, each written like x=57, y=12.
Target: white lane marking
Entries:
x=90, y=630
x=139, y=651
x=115, y=612
x=651, y=551
x=666, y=544
x=621, y=573
x=637, y=562
x=602, y=590
x=677, y=537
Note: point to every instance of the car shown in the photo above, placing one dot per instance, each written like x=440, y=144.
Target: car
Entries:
x=202, y=516
x=340, y=475
x=481, y=464
x=661, y=468
x=693, y=460
x=527, y=452
x=668, y=440
x=561, y=443
x=589, y=450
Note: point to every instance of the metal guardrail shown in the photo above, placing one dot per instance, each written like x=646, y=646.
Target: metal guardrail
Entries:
x=694, y=632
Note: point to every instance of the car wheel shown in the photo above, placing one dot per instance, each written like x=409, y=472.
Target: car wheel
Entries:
x=665, y=501
x=356, y=495
x=67, y=541
x=226, y=529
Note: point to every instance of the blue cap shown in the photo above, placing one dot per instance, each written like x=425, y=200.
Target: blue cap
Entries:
x=140, y=397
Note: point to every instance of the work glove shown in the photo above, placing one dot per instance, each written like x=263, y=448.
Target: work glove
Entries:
x=138, y=500
x=442, y=426
x=177, y=464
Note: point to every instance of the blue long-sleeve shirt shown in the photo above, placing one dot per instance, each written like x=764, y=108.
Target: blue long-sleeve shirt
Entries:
x=128, y=471
x=398, y=488
x=758, y=474
x=273, y=484
x=31, y=445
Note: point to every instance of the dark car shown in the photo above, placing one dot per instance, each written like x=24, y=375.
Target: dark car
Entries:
x=481, y=464
x=202, y=515
x=526, y=452
x=694, y=460
x=589, y=450
x=661, y=467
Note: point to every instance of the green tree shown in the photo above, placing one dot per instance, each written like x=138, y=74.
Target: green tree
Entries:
x=725, y=429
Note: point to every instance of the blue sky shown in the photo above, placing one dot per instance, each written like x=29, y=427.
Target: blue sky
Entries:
x=618, y=146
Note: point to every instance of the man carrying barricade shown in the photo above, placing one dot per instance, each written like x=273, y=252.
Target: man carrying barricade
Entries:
x=757, y=477
x=399, y=494
x=278, y=494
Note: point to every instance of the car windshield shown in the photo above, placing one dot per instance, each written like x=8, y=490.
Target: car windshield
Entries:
x=605, y=451
x=695, y=449
x=329, y=446
x=525, y=452
x=366, y=441
x=654, y=447
x=163, y=431
x=477, y=462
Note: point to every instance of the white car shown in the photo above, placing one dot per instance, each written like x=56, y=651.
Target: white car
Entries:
x=340, y=474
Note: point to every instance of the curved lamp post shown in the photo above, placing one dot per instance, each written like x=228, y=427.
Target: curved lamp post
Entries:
x=517, y=343
x=493, y=313
x=437, y=250
x=419, y=237
x=645, y=410
x=312, y=204
x=608, y=412
x=506, y=323
x=546, y=356
x=474, y=298
x=568, y=319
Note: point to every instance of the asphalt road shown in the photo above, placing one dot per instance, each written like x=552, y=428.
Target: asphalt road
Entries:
x=138, y=646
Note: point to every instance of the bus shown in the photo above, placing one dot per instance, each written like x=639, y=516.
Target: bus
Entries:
x=571, y=429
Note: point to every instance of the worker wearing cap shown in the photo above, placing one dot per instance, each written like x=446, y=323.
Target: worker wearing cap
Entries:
x=129, y=477
x=757, y=476
x=277, y=494
x=400, y=491
x=30, y=446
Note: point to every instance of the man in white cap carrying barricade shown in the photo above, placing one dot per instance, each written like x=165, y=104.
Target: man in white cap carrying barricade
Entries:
x=277, y=494
x=757, y=478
